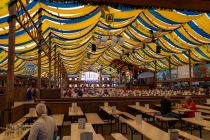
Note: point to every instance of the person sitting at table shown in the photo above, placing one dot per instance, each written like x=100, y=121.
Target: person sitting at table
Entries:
x=166, y=107
x=44, y=128
x=189, y=104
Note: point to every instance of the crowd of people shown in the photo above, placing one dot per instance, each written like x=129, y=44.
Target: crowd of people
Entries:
x=119, y=92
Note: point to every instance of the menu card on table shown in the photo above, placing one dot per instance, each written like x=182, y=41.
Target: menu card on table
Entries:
x=86, y=136
x=173, y=134
x=106, y=104
x=208, y=101
x=139, y=119
x=114, y=109
x=198, y=116
x=81, y=123
x=146, y=106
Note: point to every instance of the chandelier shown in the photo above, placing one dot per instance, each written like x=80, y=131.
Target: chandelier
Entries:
x=115, y=39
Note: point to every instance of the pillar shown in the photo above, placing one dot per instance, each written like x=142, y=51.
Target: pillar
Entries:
x=11, y=54
x=55, y=64
x=190, y=72
x=155, y=74
x=39, y=53
x=50, y=59
x=169, y=61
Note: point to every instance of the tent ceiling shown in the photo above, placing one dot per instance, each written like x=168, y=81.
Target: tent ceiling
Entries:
x=75, y=26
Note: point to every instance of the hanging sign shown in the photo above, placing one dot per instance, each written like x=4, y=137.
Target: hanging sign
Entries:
x=109, y=18
x=29, y=68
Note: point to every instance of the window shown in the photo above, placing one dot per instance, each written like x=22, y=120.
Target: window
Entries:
x=89, y=76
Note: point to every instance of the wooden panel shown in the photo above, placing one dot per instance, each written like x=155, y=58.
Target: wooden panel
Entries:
x=50, y=94
x=3, y=102
x=20, y=93
x=18, y=112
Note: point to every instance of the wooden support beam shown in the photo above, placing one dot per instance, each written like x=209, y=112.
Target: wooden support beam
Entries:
x=155, y=74
x=190, y=72
x=198, y=5
x=50, y=59
x=59, y=69
x=11, y=54
x=55, y=63
x=39, y=54
x=169, y=61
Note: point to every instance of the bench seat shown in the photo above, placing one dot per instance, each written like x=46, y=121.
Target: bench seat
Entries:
x=118, y=136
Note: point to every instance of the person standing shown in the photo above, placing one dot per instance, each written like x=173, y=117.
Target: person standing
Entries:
x=29, y=94
x=44, y=128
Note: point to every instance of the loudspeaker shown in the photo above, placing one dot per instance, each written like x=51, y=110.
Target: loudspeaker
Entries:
x=158, y=49
x=93, y=47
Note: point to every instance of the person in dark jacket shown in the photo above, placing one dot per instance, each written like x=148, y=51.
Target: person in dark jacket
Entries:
x=166, y=110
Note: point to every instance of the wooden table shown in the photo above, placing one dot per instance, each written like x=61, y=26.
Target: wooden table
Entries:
x=203, y=107
x=75, y=131
x=75, y=114
x=108, y=110
x=177, y=110
x=204, y=111
x=144, y=110
x=20, y=137
x=181, y=110
x=148, y=130
x=58, y=119
x=112, y=115
x=78, y=112
x=200, y=122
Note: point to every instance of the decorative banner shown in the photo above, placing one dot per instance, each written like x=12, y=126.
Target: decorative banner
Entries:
x=109, y=18
x=29, y=68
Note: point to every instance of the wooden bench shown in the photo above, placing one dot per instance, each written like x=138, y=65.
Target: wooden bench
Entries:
x=123, y=120
x=165, y=119
x=129, y=115
x=20, y=121
x=95, y=120
x=100, y=137
x=204, y=111
x=66, y=138
x=188, y=136
x=206, y=128
x=118, y=136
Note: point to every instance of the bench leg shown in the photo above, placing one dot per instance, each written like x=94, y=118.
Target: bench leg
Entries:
x=142, y=136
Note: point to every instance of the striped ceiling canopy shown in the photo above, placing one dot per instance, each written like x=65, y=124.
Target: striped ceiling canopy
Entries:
x=74, y=27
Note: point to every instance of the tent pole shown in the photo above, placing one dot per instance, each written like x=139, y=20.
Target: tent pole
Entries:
x=11, y=54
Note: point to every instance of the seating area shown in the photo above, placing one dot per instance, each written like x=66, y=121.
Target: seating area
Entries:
x=104, y=70
x=111, y=123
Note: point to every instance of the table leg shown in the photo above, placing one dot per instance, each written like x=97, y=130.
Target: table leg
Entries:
x=200, y=129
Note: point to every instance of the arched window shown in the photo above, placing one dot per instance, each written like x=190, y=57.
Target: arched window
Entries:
x=89, y=76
